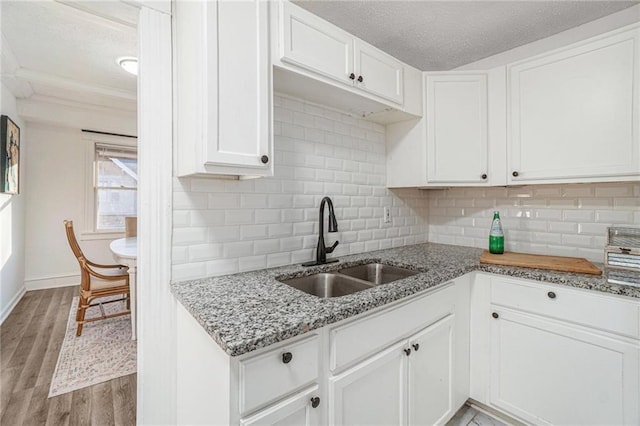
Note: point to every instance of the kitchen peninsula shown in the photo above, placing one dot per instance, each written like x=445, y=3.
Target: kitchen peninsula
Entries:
x=254, y=318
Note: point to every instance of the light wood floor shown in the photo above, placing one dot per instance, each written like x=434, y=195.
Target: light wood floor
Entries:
x=30, y=340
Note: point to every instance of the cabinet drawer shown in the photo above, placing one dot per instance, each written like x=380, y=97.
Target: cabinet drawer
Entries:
x=594, y=310
x=360, y=338
x=273, y=374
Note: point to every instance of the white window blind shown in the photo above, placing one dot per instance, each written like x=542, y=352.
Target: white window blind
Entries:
x=115, y=185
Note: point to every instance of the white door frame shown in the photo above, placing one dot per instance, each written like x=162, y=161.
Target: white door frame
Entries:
x=156, y=381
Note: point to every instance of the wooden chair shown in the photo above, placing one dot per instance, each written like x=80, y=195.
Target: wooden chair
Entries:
x=97, y=281
x=130, y=226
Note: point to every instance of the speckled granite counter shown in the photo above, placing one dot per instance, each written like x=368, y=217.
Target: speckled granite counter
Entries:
x=252, y=310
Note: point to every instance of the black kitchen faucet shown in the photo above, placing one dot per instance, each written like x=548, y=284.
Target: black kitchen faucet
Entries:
x=322, y=250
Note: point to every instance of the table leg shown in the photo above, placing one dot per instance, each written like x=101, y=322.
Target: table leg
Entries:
x=132, y=295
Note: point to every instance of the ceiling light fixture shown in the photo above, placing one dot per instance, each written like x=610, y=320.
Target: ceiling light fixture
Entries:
x=129, y=64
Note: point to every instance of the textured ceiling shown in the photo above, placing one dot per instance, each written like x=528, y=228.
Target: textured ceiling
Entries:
x=71, y=46
x=442, y=35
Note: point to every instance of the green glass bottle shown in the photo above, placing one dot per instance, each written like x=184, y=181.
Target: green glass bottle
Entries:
x=496, y=236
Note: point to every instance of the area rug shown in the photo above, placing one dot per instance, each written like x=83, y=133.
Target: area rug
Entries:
x=105, y=351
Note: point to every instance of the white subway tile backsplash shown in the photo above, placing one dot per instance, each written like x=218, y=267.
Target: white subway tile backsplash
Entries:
x=238, y=217
x=266, y=246
x=206, y=217
x=565, y=220
x=235, y=225
x=221, y=267
x=223, y=201
x=278, y=259
x=614, y=191
x=251, y=263
x=188, y=236
x=219, y=234
x=203, y=252
x=189, y=201
x=238, y=249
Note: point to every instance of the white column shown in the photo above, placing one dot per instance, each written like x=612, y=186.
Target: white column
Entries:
x=156, y=305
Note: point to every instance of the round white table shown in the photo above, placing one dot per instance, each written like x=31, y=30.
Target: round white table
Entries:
x=125, y=251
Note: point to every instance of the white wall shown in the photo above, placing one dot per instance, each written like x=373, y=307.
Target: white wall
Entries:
x=223, y=226
x=55, y=191
x=12, y=223
x=564, y=220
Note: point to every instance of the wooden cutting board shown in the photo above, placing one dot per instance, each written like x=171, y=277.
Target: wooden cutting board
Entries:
x=554, y=263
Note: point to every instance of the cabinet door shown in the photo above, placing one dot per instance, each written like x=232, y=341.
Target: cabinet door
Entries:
x=546, y=372
x=431, y=374
x=372, y=392
x=295, y=411
x=378, y=73
x=239, y=113
x=573, y=114
x=312, y=43
x=223, y=92
x=457, y=135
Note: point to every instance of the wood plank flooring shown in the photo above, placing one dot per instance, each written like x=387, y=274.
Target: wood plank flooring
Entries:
x=30, y=340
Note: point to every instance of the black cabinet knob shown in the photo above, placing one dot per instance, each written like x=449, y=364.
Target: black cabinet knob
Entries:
x=287, y=357
x=551, y=295
x=515, y=174
x=315, y=401
x=264, y=159
x=416, y=346
x=360, y=79
x=352, y=76
x=495, y=315
x=407, y=351
x=484, y=176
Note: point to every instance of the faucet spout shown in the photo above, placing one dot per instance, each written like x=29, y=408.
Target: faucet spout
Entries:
x=321, y=249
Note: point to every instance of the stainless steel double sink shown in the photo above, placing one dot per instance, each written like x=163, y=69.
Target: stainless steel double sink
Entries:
x=348, y=280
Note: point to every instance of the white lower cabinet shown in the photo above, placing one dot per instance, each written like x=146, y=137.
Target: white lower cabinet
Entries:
x=420, y=376
x=546, y=372
x=372, y=392
x=537, y=356
x=409, y=383
x=431, y=372
x=401, y=364
x=302, y=409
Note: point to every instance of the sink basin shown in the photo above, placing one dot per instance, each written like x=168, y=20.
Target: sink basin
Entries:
x=378, y=273
x=348, y=280
x=328, y=284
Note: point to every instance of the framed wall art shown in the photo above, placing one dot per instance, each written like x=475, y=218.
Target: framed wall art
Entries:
x=10, y=156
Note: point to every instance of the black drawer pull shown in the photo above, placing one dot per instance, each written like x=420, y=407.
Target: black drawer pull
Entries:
x=416, y=346
x=551, y=295
x=407, y=351
x=315, y=401
x=287, y=357
x=495, y=315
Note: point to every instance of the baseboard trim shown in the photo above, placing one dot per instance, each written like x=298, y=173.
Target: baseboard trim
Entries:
x=12, y=305
x=493, y=412
x=52, y=282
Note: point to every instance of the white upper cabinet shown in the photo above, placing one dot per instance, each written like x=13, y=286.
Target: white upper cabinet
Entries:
x=378, y=73
x=460, y=140
x=223, y=88
x=573, y=113
x=457, y=128
x=320, y=62
x=312, y=43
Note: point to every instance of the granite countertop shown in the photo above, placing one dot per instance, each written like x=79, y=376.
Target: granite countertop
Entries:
x=247, y=311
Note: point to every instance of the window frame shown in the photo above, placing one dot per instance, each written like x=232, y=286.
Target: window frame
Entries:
x=90, y=231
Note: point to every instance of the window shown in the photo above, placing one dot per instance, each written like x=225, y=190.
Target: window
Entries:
x=115, y=183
